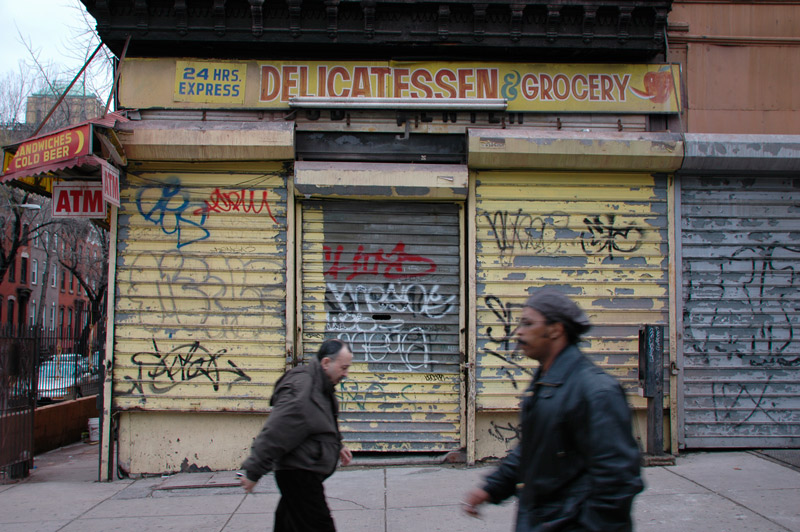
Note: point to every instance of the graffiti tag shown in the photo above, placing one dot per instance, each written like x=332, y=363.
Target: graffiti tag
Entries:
x=397, y=264
x=183, y=363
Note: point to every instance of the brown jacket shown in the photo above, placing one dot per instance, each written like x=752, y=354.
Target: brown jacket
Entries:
x=302, y=430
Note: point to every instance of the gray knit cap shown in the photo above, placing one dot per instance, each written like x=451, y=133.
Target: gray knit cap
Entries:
x=558, y=308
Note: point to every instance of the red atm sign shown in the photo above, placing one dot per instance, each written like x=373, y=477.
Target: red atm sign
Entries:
x=78, y=199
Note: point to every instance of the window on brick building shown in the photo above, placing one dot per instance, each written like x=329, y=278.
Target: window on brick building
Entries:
x=34, y=271
x=23, y=270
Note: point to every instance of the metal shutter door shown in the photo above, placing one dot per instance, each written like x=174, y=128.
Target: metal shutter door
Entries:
x=385, y=277
x=741, y=295
x=201, y=284
x=599, y=238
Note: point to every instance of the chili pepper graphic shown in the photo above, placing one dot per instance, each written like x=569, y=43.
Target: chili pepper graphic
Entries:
x=657, y=85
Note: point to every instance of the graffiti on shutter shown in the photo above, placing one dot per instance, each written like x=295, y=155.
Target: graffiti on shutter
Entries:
x=599, y=238
x=385, y=278
x=201, y=284
x=741, y=291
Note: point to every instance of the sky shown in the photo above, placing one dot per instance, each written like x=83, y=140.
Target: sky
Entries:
x=46, y=23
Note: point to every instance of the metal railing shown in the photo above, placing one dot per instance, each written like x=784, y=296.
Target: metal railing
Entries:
x=18, y=366
x=69, y=367
x=40, y=367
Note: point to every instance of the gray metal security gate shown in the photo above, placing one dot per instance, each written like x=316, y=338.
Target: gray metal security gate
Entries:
x=740, y=241
x=385, y=277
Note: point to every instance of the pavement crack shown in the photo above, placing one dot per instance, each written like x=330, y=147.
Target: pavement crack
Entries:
x=228, y=520
x=351, y=502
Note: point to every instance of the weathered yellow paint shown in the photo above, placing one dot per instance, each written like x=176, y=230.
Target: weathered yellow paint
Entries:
x=220, y=141
x=526, y=87
x=210, y=81
x=173, y=442
x=201, y=283
x=471, y=288
x=380, y=180
x=567, y=150
x=497, y=433
x=601, y=238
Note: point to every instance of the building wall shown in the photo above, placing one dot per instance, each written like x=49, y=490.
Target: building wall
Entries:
x=741, y=63
x=72, y=110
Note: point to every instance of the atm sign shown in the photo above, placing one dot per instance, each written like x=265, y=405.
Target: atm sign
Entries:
x=78, y=199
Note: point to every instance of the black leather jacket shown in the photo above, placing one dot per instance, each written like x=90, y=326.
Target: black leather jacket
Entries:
x=577, y=466
x=301, y=432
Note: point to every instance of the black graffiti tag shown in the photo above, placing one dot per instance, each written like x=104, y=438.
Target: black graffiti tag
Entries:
x=532, y=233
x=604, y=235
x=507, y=433
x=183, y=363
x=504, y=314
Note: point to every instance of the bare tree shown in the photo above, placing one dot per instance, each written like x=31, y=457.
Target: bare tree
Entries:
x=15, y=216
x=83, y=252
x=98, y=77
x=14, y=90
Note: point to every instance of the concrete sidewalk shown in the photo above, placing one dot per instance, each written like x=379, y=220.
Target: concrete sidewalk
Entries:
x=704, y=492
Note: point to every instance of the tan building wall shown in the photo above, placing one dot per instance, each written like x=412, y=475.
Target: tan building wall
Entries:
x=741, y=64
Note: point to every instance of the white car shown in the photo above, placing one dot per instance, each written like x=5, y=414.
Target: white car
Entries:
x=61, y=377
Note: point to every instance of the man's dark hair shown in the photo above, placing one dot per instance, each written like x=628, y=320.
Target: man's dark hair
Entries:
x=558, y=308
x=330, y=348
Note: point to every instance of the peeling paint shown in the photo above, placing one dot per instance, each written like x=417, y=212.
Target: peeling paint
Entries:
x=742, y=291
x=201, y=284
x=601, y=238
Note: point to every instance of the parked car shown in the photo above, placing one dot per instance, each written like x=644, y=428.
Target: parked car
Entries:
x=62, y=377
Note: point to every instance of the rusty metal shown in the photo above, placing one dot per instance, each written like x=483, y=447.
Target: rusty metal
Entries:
x=651, y=382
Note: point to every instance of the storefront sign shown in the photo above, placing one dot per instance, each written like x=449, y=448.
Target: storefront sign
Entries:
x=527, y=87
x=51, y=149
x=110, y=180
x=78, y=199
x=202, y=81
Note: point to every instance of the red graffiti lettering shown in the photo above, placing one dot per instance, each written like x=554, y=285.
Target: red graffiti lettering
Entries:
x=392, y=265
x=236, y=200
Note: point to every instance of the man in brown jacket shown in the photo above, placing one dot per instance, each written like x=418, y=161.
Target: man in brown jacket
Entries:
x=301, y=442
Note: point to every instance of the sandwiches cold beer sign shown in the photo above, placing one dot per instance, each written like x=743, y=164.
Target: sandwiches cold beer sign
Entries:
x=51, y=149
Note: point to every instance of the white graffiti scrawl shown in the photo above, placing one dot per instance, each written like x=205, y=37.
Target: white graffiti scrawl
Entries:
x=392, y=322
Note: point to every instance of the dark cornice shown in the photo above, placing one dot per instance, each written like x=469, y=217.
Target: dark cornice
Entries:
x=570, y=30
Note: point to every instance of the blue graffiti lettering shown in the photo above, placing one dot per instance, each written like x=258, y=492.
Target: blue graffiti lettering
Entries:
x=169, y=211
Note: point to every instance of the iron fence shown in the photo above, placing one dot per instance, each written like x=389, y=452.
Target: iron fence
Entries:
x=69, y=367
x=18, y=366
x=40, y=367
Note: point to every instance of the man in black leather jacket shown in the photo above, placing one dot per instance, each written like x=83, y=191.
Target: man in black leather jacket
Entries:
x=577, y=465
x=301, y=442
